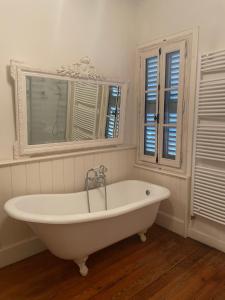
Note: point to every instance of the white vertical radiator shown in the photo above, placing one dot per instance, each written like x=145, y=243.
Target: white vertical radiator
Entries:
x=208, y=180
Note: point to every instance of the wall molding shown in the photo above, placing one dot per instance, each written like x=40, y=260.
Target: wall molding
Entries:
x=19, y=251
x=171, y=223
x=14, y=162
x=207, y=239
x=156, y=169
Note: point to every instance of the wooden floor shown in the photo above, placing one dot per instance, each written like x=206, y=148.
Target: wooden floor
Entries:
x=165, y=267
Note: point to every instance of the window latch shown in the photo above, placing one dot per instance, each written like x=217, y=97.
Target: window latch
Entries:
x=156, y=118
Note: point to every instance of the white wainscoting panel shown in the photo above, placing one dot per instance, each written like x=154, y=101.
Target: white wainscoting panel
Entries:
x=173, y=211
x=46, y=177
x=33, y=178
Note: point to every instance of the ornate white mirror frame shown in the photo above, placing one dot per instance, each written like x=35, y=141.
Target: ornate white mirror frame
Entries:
x=79, y=71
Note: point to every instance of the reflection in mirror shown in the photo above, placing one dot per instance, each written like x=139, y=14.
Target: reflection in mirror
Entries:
x=113, y=112
x=47, y=101
x=61, y=110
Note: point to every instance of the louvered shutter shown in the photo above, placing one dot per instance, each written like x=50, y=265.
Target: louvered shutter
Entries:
x=113, y=112
x=171, y=102
x=149, y=105
x=84, y=110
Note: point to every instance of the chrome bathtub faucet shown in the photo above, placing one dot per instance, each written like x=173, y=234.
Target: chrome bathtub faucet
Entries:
x=96, y=178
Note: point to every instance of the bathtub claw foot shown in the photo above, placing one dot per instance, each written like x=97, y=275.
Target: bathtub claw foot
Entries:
x=81, y=262
x=143, y=236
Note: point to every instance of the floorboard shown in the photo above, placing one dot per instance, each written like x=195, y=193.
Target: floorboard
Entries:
x=166, y=266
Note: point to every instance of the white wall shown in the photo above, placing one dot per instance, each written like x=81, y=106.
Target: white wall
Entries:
x=158, y=19
x=49, y=33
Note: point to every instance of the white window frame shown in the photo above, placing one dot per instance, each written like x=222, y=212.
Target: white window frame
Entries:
x=169, y=45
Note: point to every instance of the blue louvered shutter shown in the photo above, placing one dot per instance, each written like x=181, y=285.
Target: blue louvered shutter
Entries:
x=151, y=105
x=170, y=104
x=113, y=112
x=171, y=98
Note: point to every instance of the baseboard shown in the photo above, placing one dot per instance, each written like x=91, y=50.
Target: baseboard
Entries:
x=171, y=223
x=20, y=251
x=207, y=239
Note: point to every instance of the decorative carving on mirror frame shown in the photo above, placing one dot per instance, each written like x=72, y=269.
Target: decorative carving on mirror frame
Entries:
x=83, y=69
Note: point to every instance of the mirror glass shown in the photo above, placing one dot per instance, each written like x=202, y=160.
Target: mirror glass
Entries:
x=60, y=110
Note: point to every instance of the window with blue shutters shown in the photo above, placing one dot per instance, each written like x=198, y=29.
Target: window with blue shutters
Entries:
x=162, y=78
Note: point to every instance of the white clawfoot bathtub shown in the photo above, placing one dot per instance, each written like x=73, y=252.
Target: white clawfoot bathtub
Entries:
x=63, y=223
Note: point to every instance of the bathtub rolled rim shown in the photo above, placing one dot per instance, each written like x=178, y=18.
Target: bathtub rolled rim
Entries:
x=19, y=214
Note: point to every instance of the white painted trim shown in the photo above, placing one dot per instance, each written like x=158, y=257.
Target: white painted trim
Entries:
x=171, y=223
x=207, y=239
x=65, y=155
x=163, y=171
x=20, y=251
x=192, y=96
x=166, y=38
x=187, y=205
